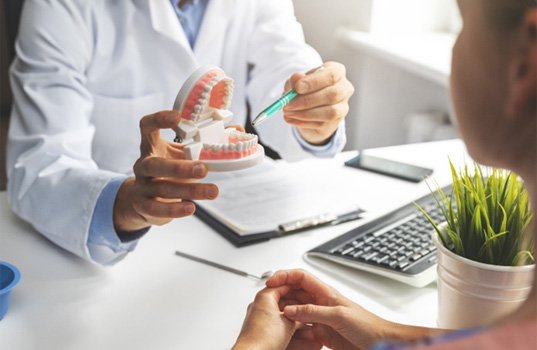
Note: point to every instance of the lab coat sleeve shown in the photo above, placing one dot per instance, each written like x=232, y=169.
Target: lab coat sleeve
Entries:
x=53, y=183
x=334, y=145
x=276, y=50
x=104, y=244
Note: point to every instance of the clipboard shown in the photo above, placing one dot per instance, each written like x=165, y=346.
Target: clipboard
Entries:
x=277, y=199
x=283, y=230
x=231, y=235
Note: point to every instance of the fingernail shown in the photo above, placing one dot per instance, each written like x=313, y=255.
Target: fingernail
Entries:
x=211, y=192
x=198, y=170
x=302, y=87
x=189, y=209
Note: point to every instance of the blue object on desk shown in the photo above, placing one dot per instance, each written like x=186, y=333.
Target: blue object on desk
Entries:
x=9, y=277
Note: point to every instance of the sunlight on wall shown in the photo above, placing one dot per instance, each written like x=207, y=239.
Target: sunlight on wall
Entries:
x=414, y=16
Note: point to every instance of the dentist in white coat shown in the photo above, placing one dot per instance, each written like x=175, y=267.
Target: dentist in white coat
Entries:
x=91, y=164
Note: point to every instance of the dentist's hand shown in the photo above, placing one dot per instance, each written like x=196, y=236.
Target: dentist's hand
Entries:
x=162, y=179
x=322, y=103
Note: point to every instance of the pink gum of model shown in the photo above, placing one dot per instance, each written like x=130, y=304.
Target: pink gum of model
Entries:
x=210, y=87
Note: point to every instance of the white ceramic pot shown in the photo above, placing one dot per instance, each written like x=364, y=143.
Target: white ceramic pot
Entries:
x=471, y=293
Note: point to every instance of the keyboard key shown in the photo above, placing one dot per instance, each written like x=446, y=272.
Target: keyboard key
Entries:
x=379, y=259
x=370, y=256
x=415, y=257
x=358, y=244
x=384, y=250
x=402, y=265
x=369, y=239
x=358, y=254
x=347, y=251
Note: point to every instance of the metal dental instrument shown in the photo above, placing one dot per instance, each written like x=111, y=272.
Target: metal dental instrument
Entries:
x=264, y=276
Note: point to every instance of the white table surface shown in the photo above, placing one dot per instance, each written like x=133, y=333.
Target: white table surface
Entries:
x=156, y=300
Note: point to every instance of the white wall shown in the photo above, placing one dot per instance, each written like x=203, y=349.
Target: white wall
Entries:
x=385, y=94
x=321, y=18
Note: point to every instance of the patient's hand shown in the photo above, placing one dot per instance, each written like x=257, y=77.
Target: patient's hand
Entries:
x=162, y=179
x=337, y=322
x=266, y=328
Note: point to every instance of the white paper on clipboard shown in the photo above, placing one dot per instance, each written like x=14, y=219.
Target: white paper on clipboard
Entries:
x=260, y=198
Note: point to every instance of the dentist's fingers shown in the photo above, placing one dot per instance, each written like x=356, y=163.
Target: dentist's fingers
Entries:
x=328, y=96
x=165, y=167
x=154, y=210
x=150, y=126
x=331, y=113
x=175, y=190
x=332, y=73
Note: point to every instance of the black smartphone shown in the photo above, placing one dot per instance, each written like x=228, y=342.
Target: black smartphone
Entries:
x=389, y=167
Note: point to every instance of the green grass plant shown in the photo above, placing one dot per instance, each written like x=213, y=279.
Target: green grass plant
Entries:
x=487, y=217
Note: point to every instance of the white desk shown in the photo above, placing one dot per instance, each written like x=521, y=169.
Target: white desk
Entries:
x=156, y=300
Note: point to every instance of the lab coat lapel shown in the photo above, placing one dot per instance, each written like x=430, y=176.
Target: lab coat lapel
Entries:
x=165, y=21
x=210, y=42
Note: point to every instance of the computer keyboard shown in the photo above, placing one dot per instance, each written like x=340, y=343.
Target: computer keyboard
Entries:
x=397, y=245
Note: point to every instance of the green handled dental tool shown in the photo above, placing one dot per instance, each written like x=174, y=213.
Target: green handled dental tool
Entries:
x=280, y=103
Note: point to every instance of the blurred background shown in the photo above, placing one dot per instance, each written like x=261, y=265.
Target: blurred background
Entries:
x=397, y=54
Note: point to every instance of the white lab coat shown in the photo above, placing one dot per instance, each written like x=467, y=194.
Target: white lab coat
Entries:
x=87, y=71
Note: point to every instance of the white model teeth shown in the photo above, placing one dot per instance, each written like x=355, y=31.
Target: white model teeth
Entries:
x=244, y=143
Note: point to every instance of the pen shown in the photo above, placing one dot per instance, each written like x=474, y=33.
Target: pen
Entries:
x=280, y=103
x=320, y=220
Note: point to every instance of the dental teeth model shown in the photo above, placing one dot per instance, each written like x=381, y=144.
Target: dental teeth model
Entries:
x=203, y=103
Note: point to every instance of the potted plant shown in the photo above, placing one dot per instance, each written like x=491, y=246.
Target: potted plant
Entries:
x=484, y=247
